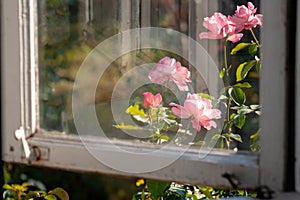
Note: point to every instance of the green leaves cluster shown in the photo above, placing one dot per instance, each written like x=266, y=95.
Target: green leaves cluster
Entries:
x=27, y=191
x=244, y=68
x=158, y=121
x=235, y=96
x=155, y=190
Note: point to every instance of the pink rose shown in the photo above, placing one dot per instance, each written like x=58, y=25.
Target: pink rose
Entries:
x=169, y=69
x=200, y=109
x=244, y=18
x=151, y=100
x=219, y=27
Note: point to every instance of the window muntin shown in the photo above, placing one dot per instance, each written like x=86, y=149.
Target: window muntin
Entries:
x=81, y=25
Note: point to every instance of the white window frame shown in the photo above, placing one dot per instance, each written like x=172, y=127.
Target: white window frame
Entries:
x=19, y=110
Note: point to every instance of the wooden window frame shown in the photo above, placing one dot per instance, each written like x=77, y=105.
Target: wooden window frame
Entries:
x=19, y=109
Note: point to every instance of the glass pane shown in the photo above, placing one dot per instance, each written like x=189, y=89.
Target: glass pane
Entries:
x=144, y=84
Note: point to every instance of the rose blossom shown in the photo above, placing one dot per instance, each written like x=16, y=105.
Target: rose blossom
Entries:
x=200, y=109
x=152, y=100
x=170, y=69
x=219, y=27
x=244, y=18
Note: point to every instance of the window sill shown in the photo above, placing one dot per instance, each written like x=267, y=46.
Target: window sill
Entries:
x=56, y=150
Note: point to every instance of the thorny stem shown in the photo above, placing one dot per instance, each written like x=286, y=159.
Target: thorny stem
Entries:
x=225, y=62
x=254, y=37
x=227, y=119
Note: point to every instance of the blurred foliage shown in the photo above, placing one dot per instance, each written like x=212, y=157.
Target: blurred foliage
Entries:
x=67, y=34
x=79, y=186
x=156, y=190
x=28, y=191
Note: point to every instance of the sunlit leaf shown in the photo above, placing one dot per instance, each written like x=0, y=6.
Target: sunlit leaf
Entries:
x=50, y=197
x=128, y=127
x=243, y=70
x=222, y=73
x=255, y=135
x=243, y=85
x=255, y=107
x=258, y=112
x=236, y=137
x=20, y=187
x=60, y=193
x=237, y=95
x=7, y=187
x=135, y=110
x=205, y=96
x=160, y=136
x=216, y=136
x=232, y=116
x=206, y=192
x=254, y=141
x=244, y=110
x=239, y=121
x=239, y=47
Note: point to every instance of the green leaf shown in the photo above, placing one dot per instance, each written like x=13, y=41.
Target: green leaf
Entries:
x=239, y=121
x=254, y=141
x=134, y=110
x=253, y=49
x=232, y=116
x=243, y=70
x=258, y=112
x=216, y=136
x=223, y=97
x=191, y=196
x=236, y=137
x=50, y=197
x=243, y=85
x=206, y=192
x=7, y=187
x=179, y=190
x=239, y=47
x=205, y=96
x=237, y=95
x=31, y=195
x=10, y=195
x=59, y=193
x=127, y=127
x=156, y=188
x=134, y=197
x=255, y=136
x=244, y=111
x=222, y=73
x=257, y=67
x=20, y=187
x=255, y=107
x=137, y=113
x=160, y=136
